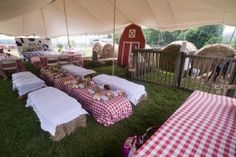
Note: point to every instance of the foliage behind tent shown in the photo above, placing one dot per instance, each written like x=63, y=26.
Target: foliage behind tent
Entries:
x=200, y=36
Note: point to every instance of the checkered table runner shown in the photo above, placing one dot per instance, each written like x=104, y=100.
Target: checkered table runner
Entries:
x=105, y=112
x=44, y=75
x=205, y=125
x=50, y=78
x=59, y=82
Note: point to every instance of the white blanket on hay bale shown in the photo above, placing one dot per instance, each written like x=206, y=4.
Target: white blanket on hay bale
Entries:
x=53, y=108
x=26, y=82
x=132, y=90
x=20, y=75
x=77, y=71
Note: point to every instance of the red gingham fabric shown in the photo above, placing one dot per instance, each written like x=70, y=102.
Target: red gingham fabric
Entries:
x=205, y=125
x=49, y=76
x=43, y=74
x=59, y=82
x=105, y=112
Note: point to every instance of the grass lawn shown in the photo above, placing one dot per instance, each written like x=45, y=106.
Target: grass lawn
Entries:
x=21, y=135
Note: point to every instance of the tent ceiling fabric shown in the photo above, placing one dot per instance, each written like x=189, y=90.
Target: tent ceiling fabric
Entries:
x=12, y=8
x=46, y=17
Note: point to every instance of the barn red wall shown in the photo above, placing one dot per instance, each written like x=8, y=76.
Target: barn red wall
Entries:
x=123, y=47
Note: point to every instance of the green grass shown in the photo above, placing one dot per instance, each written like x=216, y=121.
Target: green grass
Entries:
x=190, y=83
x=158, y=76
x=21, y=135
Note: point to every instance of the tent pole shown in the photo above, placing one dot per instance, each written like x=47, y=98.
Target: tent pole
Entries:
x=232, y=36
x=67, y=30
x=114, y=32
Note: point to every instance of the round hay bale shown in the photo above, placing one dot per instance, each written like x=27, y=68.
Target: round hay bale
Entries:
x=221, y=50
x=107, y=51
x=215, y=50
x=97, y=48
x=176, y=45
x=168, y=58
x=97, y=51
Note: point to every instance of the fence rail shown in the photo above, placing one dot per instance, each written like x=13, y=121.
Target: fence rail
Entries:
x=211, y=74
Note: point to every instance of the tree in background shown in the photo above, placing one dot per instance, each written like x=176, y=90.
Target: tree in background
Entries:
x=169, y=37
x=152, y=36
x=155, y=38
x=200, y=36
x=204, y=35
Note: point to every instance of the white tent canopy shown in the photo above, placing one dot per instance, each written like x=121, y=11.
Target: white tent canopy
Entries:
x=47, y=17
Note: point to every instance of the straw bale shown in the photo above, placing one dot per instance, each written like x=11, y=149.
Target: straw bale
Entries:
x=215, y=50
x=107, y=51
x=97, y=48
x=220, y=50
x=168, y=58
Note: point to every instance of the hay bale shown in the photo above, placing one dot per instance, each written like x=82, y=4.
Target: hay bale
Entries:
x=215, y=50
x=97, y=51
x=170, y=54
x=176, y=45
x=107, y=51
x=97, y=48
x=220, y=50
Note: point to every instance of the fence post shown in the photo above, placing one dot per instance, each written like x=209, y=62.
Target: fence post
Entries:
x=179, y=69
x=133, y=69
x=232, y=81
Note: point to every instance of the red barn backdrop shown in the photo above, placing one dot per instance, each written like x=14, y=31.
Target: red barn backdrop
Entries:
x=132, y=38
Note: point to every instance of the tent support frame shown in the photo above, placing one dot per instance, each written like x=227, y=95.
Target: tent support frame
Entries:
x=114, y=33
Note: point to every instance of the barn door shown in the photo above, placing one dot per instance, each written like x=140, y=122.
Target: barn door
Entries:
x=127, y=55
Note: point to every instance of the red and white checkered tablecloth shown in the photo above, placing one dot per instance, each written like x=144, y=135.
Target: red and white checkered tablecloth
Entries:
x=60, y=82
x=44, y=75
x=105, y=112
x=50, y=77
x=205, y=125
